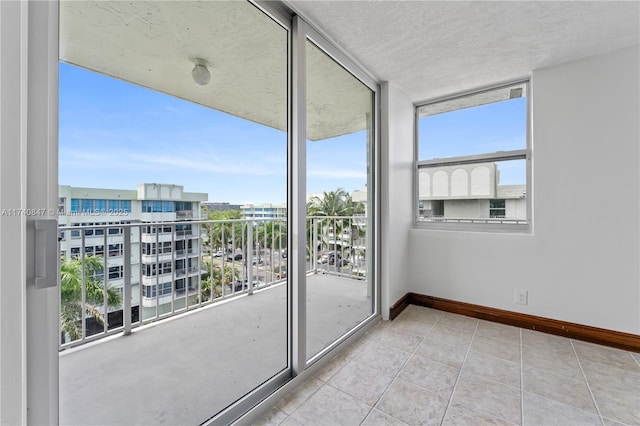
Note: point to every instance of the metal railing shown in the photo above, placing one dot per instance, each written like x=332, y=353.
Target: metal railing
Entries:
x=154, y=284
x=447, y=219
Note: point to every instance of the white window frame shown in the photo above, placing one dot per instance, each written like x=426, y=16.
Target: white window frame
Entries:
x=488, y=224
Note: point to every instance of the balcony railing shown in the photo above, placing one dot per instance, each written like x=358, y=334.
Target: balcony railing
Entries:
x=498, y=220
x=257, y=249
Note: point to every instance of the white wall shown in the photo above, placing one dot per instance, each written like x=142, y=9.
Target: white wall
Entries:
x=581, y=264
x=397, y=193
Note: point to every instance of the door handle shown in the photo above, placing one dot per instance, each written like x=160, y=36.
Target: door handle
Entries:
x=46, y=253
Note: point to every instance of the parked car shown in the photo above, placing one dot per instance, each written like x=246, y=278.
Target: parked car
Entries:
x=338, y=262
x=237, y=256
x=219, y=253
x=329, y=258
x=257, y=261
x=241, y=286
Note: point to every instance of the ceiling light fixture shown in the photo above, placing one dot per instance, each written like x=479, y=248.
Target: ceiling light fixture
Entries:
x=200, y=73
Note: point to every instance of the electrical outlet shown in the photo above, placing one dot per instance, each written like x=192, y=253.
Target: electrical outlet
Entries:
x=521, y=297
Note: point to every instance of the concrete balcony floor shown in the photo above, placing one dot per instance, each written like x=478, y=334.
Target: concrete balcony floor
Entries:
x=183, y=370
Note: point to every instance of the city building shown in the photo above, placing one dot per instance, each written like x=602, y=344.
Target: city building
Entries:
x=162, y=257
x=220, y=206
x=264, y=211
x=469, y=191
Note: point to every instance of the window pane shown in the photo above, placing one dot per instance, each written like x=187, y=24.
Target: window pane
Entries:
x=478, y=124
x=133, y=113
x=473, y=193
x=340, y=134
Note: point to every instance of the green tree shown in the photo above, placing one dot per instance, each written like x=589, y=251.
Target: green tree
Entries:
x=334, y=211
x=217, y=281
x=71, y=305
x=221, y=228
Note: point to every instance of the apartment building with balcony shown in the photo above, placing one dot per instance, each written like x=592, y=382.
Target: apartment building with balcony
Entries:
x=264, y=211
x=165, y=256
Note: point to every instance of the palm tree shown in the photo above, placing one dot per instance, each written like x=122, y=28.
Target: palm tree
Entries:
x=71, y=305
x=339, y=208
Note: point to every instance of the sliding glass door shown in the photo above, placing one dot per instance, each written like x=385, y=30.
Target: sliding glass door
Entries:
x=173, y=208
x=339, y=123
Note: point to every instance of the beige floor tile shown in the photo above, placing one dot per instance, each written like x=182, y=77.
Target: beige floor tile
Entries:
x=451, y=336
x=273, y=417
x=378, y=418
x=289, y=403
x=609, y=422
x=509, y=351
x=395, y=338
x=412, y=404
x=331, y=406
x=619, y=406
x=478, y=394
x=423, y=312
x=623, y=381
x=539, y=410
x=493, y=368
x=561, y=361
x=563, y=389
x=458, y=321
x=457, y=416
x=332, y=367
x=357, y=347
x=414, y=322
x=538, y=339
x=361, y=382
x=429, y=374
x=609, y=356
x=498, y=331
x=290, y=421
x=442, y=352
x=382, y=358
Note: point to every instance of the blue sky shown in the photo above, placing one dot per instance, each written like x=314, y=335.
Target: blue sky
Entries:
x=115, y=135
x=484, y=129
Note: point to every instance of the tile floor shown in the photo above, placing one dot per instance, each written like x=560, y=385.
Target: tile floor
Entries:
x=432, y=367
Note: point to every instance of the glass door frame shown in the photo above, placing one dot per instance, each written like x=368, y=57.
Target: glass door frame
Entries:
x=303, y=32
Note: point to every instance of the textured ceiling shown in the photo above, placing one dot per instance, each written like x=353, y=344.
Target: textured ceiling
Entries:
x=433, y=49
x=152, y=44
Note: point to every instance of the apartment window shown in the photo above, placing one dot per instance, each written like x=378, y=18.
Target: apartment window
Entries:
x=75, y=205
x=87, y=205
x=183, y=205
x=125, y=206
x=115, y=272
x=497, y=208
x=100, y=205
x=472, y=171
x=168, y=206
x=115, y=250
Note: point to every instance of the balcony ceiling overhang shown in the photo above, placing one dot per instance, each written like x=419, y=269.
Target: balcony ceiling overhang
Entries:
x=153, y=43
